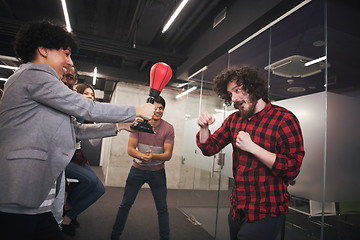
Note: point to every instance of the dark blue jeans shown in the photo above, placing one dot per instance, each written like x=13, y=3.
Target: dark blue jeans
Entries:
x=134, y=182
x=264, y=229
x=89, y=189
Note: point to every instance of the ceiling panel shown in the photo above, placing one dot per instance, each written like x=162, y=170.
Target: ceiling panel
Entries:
x=123, y=38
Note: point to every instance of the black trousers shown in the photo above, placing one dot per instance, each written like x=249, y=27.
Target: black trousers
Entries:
x=30, y=227
x=264, y=229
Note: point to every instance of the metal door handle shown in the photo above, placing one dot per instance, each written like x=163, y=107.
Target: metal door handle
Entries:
x=220, y=162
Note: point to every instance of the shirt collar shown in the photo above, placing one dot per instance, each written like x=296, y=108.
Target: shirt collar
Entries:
x=262, y=112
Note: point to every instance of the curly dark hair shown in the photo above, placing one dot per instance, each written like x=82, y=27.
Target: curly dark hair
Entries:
x=42, y=34
x=251, y=80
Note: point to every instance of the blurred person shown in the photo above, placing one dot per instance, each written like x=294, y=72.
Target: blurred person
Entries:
x=71, y=77
x=267, y=152
x=87, y=90
x=150, y=151
x=90, y=188
x=35, y=117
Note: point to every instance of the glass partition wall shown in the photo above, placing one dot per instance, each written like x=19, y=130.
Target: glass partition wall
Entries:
x=201, y=178
x=324, y=95
x=299, y=85
x=342, y=185
x=310, y=71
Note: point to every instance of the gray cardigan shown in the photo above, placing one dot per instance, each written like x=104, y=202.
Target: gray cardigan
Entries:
x=37, y=136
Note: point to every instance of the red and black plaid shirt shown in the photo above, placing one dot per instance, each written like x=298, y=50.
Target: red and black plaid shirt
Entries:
x=261, y=192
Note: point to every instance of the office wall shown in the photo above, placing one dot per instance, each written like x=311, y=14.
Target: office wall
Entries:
x=343, y=142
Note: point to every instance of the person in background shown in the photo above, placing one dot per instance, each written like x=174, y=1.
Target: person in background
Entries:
x=87, y=90
x=90, y=188
x=88, y=179
x=69, y=79
x=40, y=137
x=267, y=152
x=150, y=151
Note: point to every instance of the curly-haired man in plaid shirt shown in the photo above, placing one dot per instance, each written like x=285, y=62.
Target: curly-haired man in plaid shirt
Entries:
x=267, y=152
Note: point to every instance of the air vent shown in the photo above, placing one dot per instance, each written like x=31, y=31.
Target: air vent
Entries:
x=219, y=18
x=293, y=66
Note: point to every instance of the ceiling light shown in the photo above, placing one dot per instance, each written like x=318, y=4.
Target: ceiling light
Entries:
x=290, y=81
x=219, y=18
x=94, y=76
x=201, y=70
x=180, y=85
x=319, y=43
x=303, y=3
x=66, y=15
x=3, y=57
x=296, y=89
x=8, y=67
x=186, y=92
x=315, y=61
x=3, y=79
x=175, y=14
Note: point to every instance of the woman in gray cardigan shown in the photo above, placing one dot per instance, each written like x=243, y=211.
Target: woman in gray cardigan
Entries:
x=37, y=136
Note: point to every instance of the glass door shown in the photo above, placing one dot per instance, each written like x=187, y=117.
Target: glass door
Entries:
x=201, y=178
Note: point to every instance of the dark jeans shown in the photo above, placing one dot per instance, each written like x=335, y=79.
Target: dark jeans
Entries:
x=134, y=182
x=264, y=229
x=87, y=191
x=30, y=227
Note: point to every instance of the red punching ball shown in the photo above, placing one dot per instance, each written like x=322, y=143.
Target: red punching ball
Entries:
x=160, y=75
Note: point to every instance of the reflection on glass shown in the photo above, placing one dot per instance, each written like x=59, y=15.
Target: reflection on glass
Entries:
x=201, y=178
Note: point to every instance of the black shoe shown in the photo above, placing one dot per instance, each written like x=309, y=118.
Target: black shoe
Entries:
x=75, y=223
x=68, y=229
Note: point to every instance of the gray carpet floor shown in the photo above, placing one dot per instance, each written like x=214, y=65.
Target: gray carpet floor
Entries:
x=96, y=222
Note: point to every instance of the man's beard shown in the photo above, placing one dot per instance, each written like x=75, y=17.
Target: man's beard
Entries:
x=250, y=111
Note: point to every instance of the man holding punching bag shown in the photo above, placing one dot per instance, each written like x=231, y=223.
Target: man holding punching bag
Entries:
x=150, y=147
x=150, y=151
